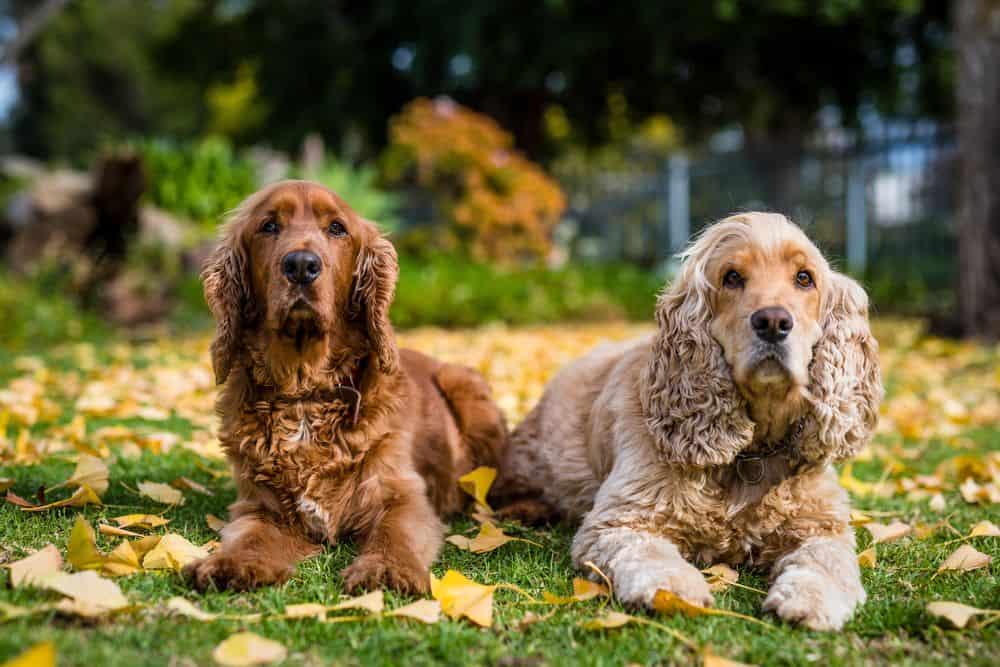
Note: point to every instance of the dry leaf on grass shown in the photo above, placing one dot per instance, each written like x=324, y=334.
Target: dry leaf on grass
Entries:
x=115, y=531
x=306, y=610
x=247, y=648
x=489, y=538
x=868, y=557
x=81, y=497
x=859, y=518
x=82, y=552
x=937, y=503
x=172, y=552
x=90, y=471
x=667, y=602
x=477, y=484
x=147, y=521
x=985, y=529
x=161, y=493
x=372, y=602
x=214, y=522
x=182, y=607
x=185, y=483
x=583, y=589
x=958, y=614
x=39, y=655
x=710, y=659
x=720, y=577
x=122, y=561
x=28, y=571
x=89, y=594
x=882, y=533
x=965, y=558
x=460, y=596
x=425, y=611
x=531, y=618
x=610, y=620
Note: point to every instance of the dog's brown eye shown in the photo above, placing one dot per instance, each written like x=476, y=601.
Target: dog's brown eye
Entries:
x=270, y=226
x=804, y=279
x=732, y=280
x=336, y=229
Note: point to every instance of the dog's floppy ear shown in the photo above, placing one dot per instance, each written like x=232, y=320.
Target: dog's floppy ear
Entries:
x=374, y=288
x=845, y=384
x=692, y=406
x=224, y=278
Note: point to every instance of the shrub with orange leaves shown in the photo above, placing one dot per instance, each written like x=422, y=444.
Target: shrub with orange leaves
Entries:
x=499, y=205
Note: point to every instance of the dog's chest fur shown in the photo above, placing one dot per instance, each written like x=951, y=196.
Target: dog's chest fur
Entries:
x=301, y=452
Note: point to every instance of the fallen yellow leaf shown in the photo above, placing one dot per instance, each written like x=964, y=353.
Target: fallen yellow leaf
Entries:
x=39, y=655
x=531, y=618
x=184, y=483
x=82, y=552
x=372, y=602
x=425, y=611
x=214, y=522
x=859, y=518
x=122, y=561
x=460, y=596
x=868, y=557
x=90, y=471
x=610, y=620
x=172, y=552
x=247, y=648
x=668, y=602
x=965, y=558
x=958, y=614
x=489, y=538
x=720, y=577
x=985, y=529
x=583, y=589
x=81, y=497
x=881, y=533
x=105, y=529
x=306, y=610
x=477, y=484
x=937, y=503
x=89, y=593
x=28, y=571
x=148, y=521
x=161, y=493
x=709, y=659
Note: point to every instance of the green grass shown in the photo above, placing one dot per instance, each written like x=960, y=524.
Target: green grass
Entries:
x=891, y=628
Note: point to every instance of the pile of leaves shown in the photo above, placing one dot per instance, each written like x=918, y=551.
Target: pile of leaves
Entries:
x=113, y=481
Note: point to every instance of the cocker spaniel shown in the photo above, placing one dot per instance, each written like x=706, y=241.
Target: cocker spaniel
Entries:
x=713, y=440
x=330, y=429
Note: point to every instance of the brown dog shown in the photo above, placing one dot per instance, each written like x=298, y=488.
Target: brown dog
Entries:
x=330, y=429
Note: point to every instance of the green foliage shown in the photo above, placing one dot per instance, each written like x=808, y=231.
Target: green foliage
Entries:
x=201, y=180
x=357, y=185
x=448, y=290
x=36, y=313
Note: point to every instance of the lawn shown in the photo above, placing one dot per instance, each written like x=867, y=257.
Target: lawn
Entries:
x=146, y=408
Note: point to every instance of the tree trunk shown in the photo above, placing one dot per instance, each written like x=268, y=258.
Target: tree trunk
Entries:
x=977, y=37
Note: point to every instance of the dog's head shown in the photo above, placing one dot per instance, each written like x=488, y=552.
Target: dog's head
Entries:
x=299, y=267
x=758, y=328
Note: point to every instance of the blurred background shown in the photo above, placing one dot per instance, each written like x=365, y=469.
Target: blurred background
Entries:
x=533, y=161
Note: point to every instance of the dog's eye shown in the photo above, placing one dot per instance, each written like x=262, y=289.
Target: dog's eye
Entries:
x=336, y=228
x=804, y=279
x=270, y=226
x=732, y=280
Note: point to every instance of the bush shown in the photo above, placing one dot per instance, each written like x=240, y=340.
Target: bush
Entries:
x=357, y=185
x=200, y=181
x=36, y=314
x=499, y=205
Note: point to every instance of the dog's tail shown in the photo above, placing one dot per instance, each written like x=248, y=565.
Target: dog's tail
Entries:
x=479, y=419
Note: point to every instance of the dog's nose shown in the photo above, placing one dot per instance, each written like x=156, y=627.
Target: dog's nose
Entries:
x=301, y=267
x=772, y=324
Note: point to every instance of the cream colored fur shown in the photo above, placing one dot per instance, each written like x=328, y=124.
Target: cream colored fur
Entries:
x=637, y=443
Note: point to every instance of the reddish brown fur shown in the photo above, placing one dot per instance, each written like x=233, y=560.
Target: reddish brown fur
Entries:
x=306, y=472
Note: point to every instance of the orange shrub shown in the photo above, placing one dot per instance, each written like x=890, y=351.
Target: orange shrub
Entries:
x=500, y=205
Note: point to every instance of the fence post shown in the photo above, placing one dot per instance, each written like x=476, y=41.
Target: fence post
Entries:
x=857, y=216
x=679, y=198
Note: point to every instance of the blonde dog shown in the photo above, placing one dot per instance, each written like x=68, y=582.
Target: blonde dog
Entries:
x=712, y=441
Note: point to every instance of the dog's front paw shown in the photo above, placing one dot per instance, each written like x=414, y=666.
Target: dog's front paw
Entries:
x=638, y=583
x=223, y=571
x=807, y=597
x=373, y=571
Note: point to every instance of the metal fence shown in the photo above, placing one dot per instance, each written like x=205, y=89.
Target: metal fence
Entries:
x=878, y=203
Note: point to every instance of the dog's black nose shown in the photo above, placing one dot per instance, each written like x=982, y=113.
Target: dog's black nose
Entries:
x=301, y=267
x=772, y=324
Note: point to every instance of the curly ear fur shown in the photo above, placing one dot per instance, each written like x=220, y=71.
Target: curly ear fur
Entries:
x=693, y=408
x=374, y=288
x=224, y=278
x=845, y=384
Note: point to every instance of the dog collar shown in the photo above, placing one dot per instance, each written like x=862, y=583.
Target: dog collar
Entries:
x=750, y=466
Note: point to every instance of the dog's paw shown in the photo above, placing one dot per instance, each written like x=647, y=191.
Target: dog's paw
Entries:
x=223, y=571
x=809, y=598
x=637, y=585
x=373, y=571
x=528, y=511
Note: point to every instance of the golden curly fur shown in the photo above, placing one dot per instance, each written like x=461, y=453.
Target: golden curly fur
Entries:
x=712, y=440
x=331, y=430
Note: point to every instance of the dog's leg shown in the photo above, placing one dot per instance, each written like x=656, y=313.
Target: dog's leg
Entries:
x=397, y=551
x=818, y=584
x=638, y=562
x=257, y=549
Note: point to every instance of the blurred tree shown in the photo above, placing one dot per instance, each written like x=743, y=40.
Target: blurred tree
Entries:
x=977, y=25
x=89, y=77
x=343, y=68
